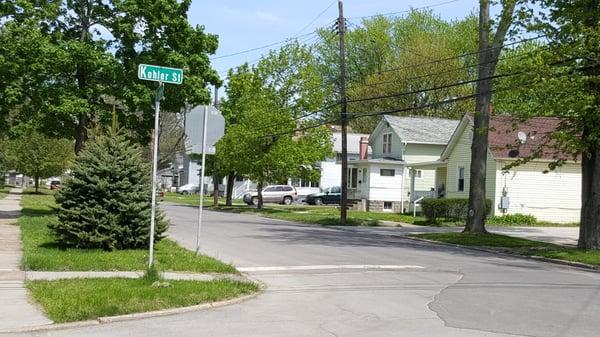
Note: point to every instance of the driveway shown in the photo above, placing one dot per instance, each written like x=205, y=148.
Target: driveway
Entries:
x=329, y=282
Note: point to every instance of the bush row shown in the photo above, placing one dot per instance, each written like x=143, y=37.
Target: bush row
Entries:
x=449, y=208
x=513, y=219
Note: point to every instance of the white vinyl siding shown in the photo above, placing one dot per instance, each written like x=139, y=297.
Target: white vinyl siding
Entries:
x=385, y=188
x=554, y=196
x=331, y=174
x=461, y=157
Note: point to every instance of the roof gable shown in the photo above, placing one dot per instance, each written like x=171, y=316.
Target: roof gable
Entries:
x=421, y=130
x=503, y=139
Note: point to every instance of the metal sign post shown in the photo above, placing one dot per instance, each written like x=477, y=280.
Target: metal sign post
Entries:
x=161, y=75
x=204, y=124
x=202, y=135
x=159, y=94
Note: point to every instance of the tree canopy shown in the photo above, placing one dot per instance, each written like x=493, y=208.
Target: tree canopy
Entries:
x=62, y=60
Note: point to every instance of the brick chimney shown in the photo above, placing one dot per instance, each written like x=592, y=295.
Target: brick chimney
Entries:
x=364, y=148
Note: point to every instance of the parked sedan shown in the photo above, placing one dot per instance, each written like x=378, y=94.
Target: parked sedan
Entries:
x=331, y=195
x=281, y=194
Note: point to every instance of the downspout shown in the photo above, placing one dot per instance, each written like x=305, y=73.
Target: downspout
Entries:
x=403, y=177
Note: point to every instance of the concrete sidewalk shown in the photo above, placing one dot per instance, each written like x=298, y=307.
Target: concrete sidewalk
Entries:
x=16, y=308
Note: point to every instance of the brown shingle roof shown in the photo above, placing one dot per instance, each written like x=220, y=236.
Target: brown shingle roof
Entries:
x=504, y=142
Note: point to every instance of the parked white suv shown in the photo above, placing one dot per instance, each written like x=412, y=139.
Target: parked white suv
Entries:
x=280, y=194
x=188, y=189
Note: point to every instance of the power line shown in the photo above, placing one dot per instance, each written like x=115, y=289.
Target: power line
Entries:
x=316, y=18
x=357, y=115
x=466, y=67
x=462, y=55
x=261, y=47
x=404, y=11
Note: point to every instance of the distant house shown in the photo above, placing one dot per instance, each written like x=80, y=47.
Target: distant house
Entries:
x=381, y=182
x=331, y=168
x=552, y=196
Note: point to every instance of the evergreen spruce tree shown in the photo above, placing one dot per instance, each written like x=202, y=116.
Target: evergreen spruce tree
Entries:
x=106, y=201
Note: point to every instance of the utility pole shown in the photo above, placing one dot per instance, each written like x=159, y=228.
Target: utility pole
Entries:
x=344, y=116
x=215, y=177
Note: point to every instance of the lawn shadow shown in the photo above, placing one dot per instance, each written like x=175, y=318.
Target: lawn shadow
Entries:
x=36, y=212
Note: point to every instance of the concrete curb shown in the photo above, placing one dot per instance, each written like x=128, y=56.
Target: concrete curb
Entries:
x=575, y=265
x=137, y=316
x=172, y=276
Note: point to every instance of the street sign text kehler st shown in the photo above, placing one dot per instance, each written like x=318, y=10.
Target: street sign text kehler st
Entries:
x=160, y=74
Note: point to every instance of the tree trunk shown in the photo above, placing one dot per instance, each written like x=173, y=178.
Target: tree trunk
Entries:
x=230, y=182
x=37, y=184
x=589, y=230
x=489, y=51
x=215, y=179
x=259, y=188
x=80, y=133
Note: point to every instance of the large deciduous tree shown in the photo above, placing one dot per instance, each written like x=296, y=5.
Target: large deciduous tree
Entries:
x=62, y=60
x=38, y=156
x=265, y=105
x=490, y=46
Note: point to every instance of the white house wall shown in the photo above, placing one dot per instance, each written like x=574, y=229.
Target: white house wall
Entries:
x=461, y=156
x=554, y=196
x=331, y=174
x=385, y=188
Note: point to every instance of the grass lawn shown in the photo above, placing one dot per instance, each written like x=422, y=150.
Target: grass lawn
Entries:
x=82, y=299
x=517, y=245
x=4, y=191
x=322, y=215
x=40, y=252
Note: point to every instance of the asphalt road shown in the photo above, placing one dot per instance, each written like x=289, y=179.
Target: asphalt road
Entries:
x=330, y=282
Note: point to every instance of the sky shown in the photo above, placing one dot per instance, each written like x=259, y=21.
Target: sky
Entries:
x=248, y=24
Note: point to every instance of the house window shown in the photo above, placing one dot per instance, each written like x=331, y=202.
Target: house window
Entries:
x=461, y=179
x=387, y=172
x=387, y=143
x=387, y=205
x=418, y=174
x=352, y=177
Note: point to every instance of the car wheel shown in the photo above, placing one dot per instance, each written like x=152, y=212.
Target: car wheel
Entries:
x=318, y=201
x=287, y=200
x=185, y=192
x=255, y=201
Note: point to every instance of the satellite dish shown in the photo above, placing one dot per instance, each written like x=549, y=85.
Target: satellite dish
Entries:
x=522, y=137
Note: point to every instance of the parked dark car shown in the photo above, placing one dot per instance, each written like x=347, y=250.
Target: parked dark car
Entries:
x=331, y=195
x=54, y=184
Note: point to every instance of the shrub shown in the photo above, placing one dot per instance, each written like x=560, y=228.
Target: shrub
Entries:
x=513, y=219
x=449, y=208
x=106, y=201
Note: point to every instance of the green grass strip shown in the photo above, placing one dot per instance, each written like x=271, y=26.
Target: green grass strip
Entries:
x=517, y=245
x=41, y=252
x=83, y=299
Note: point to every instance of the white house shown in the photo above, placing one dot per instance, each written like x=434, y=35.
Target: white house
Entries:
x=382, y=183
x=529, y=188
x=331, y=169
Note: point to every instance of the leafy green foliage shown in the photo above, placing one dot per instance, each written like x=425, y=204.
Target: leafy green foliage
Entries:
x=385, y=57
x=449, y=208
x=66, y=64
x=38, y=156
x=512, y=219
x=106, y=202
x=264, y=105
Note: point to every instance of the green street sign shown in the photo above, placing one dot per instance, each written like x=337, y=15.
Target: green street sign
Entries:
x=160, y=74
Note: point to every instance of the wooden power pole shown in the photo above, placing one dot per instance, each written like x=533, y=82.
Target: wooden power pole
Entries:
x=343, y=115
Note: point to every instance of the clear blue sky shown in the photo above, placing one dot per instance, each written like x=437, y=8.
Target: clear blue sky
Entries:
x=246, y=24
